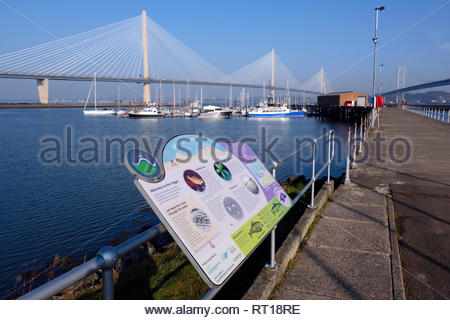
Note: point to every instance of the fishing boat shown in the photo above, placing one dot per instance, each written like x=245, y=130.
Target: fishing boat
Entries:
x=214, y=112
x=147, y=112
x=281, y=111
x=272, y=110
x=95, y=111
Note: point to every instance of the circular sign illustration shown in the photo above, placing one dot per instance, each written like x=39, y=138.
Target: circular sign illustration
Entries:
x=250, y=184
x=282, y=197
x=200, y=219
x=143, y=165
x=233, y=208
x=222, y=171
x=194, y=180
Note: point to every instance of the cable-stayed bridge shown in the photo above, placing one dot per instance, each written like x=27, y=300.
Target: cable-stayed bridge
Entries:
x=138, y=50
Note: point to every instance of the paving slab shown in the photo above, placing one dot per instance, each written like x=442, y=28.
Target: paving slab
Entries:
x=340, y=274
x=351, y=235
x=358, y=195
x=356, y=212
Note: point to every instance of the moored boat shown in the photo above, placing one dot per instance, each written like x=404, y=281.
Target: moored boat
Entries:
x=214, y=112
x=95, y=111
x=147, y=112
x=276, y=111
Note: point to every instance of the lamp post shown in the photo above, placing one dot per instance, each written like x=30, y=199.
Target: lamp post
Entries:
x=375, y=40
x=381, y=80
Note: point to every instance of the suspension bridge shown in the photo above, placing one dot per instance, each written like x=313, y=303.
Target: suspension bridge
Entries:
x=138, y=50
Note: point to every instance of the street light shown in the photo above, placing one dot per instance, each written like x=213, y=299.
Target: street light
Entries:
x=381, y=80
x=375, y=40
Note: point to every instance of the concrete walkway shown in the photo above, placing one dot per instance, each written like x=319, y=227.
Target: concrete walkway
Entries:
x=352, y=252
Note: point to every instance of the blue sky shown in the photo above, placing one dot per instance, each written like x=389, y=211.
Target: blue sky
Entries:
x=230, y=34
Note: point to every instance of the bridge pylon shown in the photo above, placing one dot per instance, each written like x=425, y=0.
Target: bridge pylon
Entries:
x=42, y=85
x=146, y=93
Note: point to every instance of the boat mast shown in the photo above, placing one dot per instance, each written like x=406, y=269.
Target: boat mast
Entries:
x=118, y=95
x=231, y=96
x=272, y=94
x=160, y=91
x=95, y=90
x=173, y=91
x=288, y=93
x=264, y=91
x=187, y=93
x=201, y=96
x=89, y=95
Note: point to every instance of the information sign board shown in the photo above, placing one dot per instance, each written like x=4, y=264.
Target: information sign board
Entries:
x=216, y=199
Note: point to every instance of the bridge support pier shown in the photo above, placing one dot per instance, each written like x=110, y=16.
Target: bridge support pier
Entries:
x=42, y=85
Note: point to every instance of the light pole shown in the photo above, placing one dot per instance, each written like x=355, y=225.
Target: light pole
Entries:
x=375, y=40
x=381, y=80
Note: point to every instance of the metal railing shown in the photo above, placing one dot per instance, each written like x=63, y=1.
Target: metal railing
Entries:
x=355, y=143
x=435, y=112
x=108, y=256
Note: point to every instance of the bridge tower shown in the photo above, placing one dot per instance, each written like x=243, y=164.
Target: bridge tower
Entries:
x=401, y=77
x=322, y=81
x=42, y=85
x=146, y=93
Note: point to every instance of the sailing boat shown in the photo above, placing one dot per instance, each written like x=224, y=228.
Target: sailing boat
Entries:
x=96, y=111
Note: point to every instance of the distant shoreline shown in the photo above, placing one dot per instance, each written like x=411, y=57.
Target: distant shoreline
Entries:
x=64, y=105
x=38, y=105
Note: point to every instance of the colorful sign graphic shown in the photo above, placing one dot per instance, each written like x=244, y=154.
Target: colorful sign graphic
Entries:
x=216, y=205
x=143, y=165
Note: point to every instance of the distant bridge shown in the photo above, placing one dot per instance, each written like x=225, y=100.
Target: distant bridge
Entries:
x=143, y=81
x=137, y=50
x=432, y=84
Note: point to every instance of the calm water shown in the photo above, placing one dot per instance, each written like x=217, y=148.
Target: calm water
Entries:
x=73, y=209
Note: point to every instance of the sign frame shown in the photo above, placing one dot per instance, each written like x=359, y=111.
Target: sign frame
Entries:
x=174, y=234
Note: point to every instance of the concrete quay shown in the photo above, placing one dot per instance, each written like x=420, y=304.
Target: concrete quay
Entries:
x=386, y=235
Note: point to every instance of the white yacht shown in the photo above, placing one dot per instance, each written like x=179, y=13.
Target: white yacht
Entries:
x=214, y=112
x=95, y=111
x=147, y=112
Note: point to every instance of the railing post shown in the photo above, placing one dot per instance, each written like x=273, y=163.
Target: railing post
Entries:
x=312, y=206
x=109, y=256
x=360, y=137
x=347, y=170
x=273, y=264
x=330, y=136
x=108, y=284
x=354, y=146
x=448, y=115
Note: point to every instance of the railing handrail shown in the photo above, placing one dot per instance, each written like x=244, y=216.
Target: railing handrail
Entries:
x=108, y=256
x=276, y=165
x=90, y=267
x=433, y=112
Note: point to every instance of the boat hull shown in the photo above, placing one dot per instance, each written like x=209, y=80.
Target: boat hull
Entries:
x=215, y=115
x=98, y=112
x=137, y=115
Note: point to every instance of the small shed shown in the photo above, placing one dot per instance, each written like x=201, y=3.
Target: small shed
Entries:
x=341, y=99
